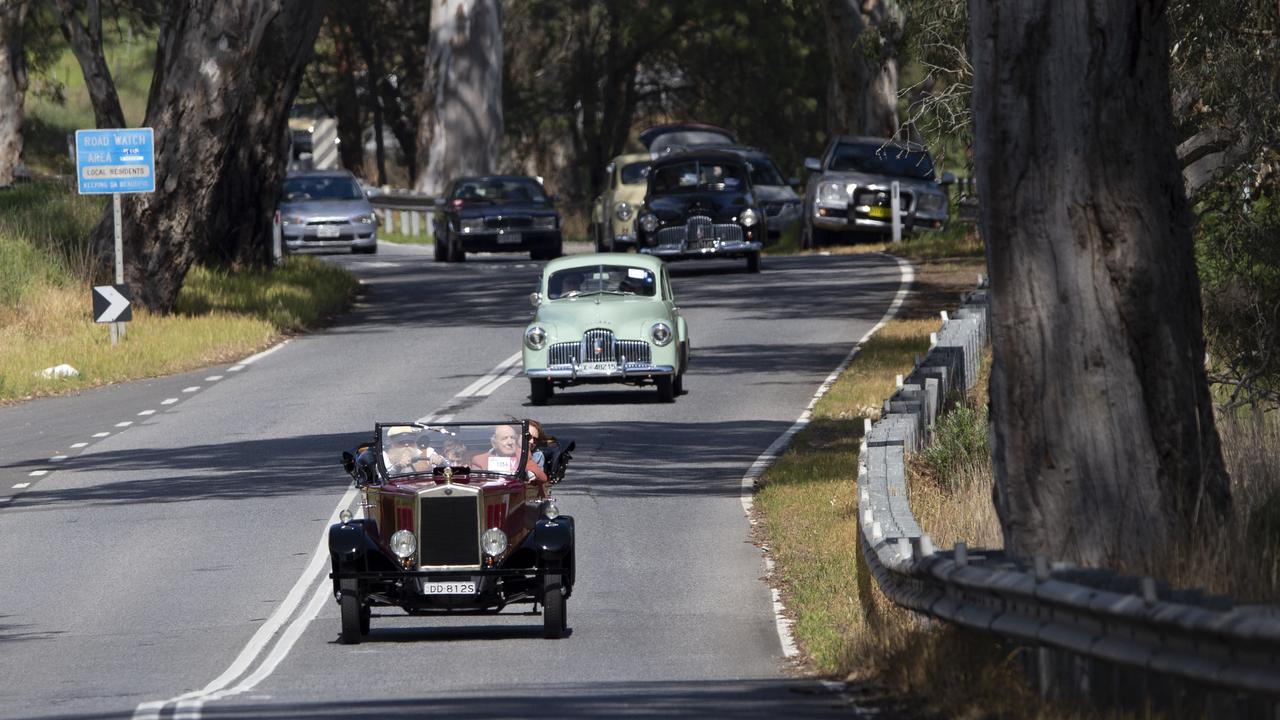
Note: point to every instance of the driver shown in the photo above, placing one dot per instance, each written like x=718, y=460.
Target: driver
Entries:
x=404, y=450
x=504, y=453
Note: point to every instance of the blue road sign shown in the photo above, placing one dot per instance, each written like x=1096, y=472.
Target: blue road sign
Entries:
x=115, y=161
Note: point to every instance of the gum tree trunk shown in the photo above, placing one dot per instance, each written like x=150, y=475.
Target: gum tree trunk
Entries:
x=86, y=43
x=13, y=88
x=862, y=97
x=462, y=131
x=1105, y=449
x=226, y=74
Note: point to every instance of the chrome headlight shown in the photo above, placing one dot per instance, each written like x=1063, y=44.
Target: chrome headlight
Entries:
x=470, y=225
x=366, y=219
x=493, y=541
x=535, y=337
x=649, y=222
x=661, y=333
x=545, y=223
x=292, y=220
x=748, y=217
x=344, y=517
x=623, y=211
x=403, y=543
x=833, y=192
x=549, y=510
x=932, y=202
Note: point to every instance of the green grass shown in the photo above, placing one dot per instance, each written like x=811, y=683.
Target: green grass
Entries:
x=44, y=227
x=396, y=237
x=58, y=103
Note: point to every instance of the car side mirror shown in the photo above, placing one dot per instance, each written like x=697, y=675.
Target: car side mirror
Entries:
x=794, y=181
x=813, y=164
x=535, y=298
x=948, y=178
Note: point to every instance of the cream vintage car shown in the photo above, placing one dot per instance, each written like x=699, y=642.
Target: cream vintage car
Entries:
x=605, y=318
x=613, y=215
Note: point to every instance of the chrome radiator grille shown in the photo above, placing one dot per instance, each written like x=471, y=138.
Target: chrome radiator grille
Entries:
x=698, y=233
x=610, y=350
x=450, y=533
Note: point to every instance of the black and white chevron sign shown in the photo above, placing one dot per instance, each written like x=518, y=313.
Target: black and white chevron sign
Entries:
x=111, y=303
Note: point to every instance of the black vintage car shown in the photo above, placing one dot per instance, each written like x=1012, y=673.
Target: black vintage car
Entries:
x=455, y=518
x=700, y=204
x=496, y=213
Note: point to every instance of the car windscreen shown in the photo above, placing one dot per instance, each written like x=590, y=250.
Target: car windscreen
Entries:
x=687, y=138
x=601, y=279
x=634, y=173
x=415, y=448
x=500, y=191
x=764, y=172
x=321, y=187
x=878, y=160
x=697, y=176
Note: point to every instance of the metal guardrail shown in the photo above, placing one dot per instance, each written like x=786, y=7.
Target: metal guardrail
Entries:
x=1121, y=641
x=408, y=210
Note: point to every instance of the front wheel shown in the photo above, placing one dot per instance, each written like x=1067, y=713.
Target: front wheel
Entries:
x=453, y=251
x=354, y=620
x=540, y=391
x=554, y=619
x=666, y=388
x=753, y=262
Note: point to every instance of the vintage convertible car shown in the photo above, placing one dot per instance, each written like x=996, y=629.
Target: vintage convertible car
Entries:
x=699, y=204
x=455, y=520
x=605, y=318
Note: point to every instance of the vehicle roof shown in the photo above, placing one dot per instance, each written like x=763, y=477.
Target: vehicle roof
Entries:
x=627, y=158
x=648, y=135
x=872, y=140
x=700, y=152
x=482, y=178
x=647, y=262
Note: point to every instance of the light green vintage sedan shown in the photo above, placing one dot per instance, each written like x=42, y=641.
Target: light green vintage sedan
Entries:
x=605, y=318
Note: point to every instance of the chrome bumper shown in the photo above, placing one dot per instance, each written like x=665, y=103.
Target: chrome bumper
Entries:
x=573, y=372
x=724, y=248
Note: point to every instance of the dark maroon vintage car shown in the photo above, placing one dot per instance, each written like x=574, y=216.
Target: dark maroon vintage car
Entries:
x=456, y=518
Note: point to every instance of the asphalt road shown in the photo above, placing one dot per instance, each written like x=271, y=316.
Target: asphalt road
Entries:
x=171, y=567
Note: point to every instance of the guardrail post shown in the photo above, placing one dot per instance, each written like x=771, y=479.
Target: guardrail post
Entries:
x=961, y=553
x=415, y=218
x=1149, y=596
x=404, y=223
x=387, y=224
x=1042, y=568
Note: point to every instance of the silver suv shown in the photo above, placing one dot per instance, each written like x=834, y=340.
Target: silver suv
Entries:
x=849, y=189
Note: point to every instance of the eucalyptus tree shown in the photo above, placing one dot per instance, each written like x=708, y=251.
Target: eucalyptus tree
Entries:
x=461, y=128
x=226, y=73
x=1104, y=439
x=13, y=87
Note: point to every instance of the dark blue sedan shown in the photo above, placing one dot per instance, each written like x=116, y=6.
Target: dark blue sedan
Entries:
x=496, y=213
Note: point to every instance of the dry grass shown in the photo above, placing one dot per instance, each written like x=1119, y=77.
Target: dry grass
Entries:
x=222, y=316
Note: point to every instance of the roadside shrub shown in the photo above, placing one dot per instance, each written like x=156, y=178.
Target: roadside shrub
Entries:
x=959, y=445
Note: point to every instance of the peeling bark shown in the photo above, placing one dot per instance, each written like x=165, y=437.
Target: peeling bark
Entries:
x=226, y=75
x=13, y=88
x=1104, y=439
x=862, y=93
x=86, y=43
x=462, y=133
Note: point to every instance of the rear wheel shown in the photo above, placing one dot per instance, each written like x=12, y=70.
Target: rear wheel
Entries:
x=554, y=620
x=540, y=391
x=677, y=387
x=353, y=620
x=666, y=388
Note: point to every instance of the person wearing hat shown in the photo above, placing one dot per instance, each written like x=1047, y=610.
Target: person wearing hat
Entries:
x=404, y=455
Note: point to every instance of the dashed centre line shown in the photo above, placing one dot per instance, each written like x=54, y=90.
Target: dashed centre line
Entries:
x=126, y=423
x=101, y=434
x=213, y=378
x=19, y=486
x=76, y=446
x=191, y=389
x=144, y=413
x=39, y=473
x=168, y=401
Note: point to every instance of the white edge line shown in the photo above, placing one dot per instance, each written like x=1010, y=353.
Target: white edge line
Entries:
x=262, y=637
x=776, y=448
x=255, y=358
x=473, y=388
